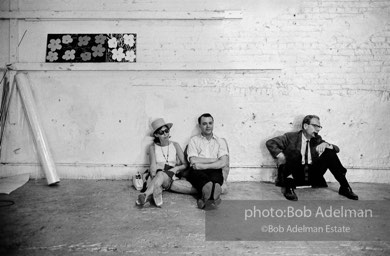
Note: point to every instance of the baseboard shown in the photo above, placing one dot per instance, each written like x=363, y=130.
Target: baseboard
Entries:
x=123, y=171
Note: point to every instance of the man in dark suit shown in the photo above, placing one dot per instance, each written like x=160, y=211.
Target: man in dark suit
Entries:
x=303, y=157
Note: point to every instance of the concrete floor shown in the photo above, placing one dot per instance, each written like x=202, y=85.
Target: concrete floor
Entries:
x=89, y=217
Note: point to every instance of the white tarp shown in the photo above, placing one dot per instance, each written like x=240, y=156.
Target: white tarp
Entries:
x=9, y=184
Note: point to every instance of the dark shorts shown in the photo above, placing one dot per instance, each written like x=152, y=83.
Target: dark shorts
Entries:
x=198, y=178
x=169, y=173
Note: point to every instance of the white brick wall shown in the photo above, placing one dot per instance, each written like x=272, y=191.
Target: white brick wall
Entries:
x=334, y=60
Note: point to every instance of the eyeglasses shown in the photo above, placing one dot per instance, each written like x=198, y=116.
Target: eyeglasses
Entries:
x=161, y=132
x=316, y=126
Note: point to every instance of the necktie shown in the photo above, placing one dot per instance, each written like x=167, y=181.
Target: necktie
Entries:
x=306, y=166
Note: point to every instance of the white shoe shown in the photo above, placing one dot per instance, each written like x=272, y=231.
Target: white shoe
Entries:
x=157, y=196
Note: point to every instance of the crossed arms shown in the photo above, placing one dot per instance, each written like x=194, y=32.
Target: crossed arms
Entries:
x=205, y=163
x=202, y=163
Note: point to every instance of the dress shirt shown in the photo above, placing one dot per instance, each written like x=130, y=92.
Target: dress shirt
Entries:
x=200, y=146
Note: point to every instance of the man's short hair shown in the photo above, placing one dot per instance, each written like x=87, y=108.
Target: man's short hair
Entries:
x=205, y=115
x=308, y=118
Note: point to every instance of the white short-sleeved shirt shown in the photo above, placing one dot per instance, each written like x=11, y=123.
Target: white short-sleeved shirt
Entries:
x=200, y=146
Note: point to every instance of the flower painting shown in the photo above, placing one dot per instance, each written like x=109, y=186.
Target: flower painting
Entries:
x=91, y=47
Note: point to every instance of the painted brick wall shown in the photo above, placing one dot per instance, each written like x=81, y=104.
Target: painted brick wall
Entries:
x=331, y=58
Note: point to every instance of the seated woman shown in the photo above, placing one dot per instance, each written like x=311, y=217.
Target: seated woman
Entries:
x=166, y=160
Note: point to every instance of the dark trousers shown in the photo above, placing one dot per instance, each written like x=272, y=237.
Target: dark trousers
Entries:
x=327, y=160
x=198, y=178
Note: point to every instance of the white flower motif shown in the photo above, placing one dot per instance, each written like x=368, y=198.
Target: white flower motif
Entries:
x=69, y=55
x=67, y=39
x=112, y=43
x=52, y=56
x=117, y=54
x=54, y=44
x=100, y=39
x=129, y=40
x=130, y=56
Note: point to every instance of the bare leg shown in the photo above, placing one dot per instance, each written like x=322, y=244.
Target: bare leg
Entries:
x=183, y=186
x=155, y=187
x=161, y=179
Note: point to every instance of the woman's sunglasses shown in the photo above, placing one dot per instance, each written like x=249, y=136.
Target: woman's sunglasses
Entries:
x=161, y=132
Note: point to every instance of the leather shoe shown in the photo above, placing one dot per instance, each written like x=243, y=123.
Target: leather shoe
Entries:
x=289, y=194
x=347, y=192
x=201, y=203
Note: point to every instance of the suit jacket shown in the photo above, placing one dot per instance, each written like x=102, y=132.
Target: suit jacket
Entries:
x=290, y=144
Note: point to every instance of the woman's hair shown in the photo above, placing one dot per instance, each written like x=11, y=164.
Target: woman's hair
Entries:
x=156, y=139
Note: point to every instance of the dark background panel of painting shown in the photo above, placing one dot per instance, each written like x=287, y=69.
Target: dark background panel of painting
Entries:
x=106, y=55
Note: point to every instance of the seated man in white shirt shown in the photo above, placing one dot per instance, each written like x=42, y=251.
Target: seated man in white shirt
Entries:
x=207, y=155
x=183, y=186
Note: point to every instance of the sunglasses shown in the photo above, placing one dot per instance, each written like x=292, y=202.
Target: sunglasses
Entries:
x=161, y=132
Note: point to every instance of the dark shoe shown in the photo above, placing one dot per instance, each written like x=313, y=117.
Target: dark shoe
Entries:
x=217, y=202
x=289, y=194
x=201, y=203
x=347, y=192
x=142, y=199
x=206, y=194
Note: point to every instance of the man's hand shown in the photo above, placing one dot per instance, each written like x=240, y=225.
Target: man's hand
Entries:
x=281, y=158
x=321, y=148
x=197, y=166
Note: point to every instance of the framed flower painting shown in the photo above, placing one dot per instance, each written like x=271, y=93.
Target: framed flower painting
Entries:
x=91, y=47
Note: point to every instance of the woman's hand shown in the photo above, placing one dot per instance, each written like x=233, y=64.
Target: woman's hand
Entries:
x=174, y=169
